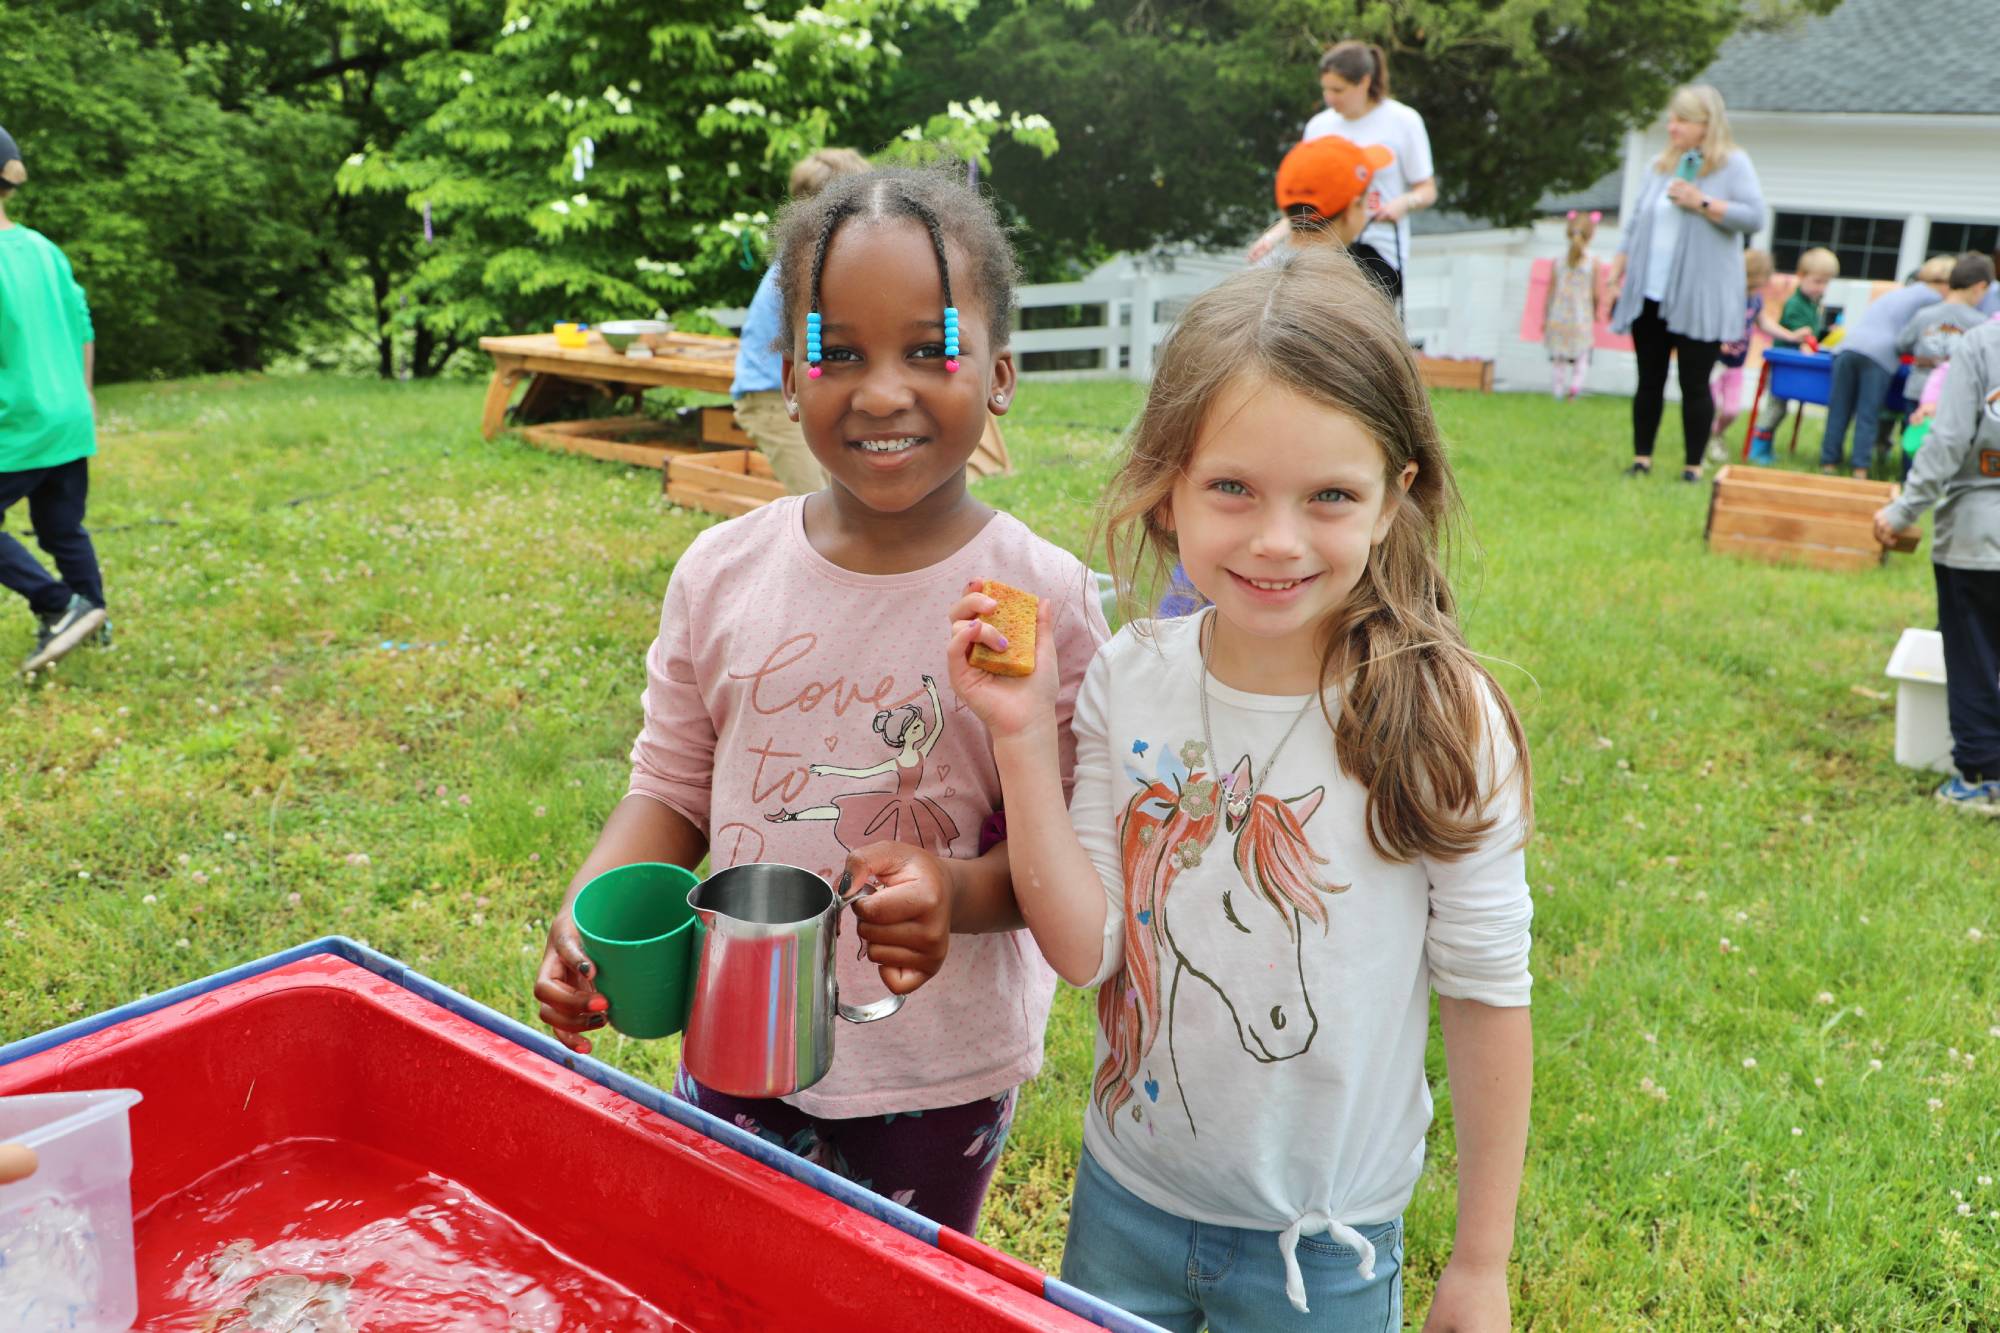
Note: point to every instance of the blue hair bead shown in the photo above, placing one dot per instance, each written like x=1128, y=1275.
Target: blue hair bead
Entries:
x=812, y=344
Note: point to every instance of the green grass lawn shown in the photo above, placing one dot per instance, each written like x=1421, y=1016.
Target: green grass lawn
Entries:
x=377, y=676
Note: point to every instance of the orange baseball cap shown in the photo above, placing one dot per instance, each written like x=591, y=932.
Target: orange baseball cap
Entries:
x=1328, y=174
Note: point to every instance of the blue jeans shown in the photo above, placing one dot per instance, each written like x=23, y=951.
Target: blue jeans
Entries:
x=1184, y=1275
x=1859, y=389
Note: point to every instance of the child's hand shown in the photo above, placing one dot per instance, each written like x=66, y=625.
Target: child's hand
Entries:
x=1886, y=531
x=1469, y=1299
x=16, y=1163
x=571, y=1005
x=1923, y=414
x=906, y=921
x=1008, y=705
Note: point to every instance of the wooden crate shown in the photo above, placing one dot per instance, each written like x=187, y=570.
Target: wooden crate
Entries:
x=1442, y=372
x=1799, y=518
x=718, y=426
x=729, y=483
x=637, y=440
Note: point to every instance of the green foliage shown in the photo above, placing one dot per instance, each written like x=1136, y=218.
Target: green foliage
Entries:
x=1174, y=113
x=596, y=161
x=195, y=229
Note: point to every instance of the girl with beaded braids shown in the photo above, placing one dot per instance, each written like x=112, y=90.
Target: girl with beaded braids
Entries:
x=1296, y=813
x=796, y=641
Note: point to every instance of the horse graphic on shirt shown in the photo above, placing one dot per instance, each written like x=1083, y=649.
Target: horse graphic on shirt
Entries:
x=1165, y=830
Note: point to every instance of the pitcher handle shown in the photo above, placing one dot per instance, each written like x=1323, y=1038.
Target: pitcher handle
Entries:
x=869, y=1013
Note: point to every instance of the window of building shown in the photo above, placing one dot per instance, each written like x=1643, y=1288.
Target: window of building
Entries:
x=1868, y=247
x=1955, y=238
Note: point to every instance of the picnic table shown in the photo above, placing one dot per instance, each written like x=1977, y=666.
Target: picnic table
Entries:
x=721, y=472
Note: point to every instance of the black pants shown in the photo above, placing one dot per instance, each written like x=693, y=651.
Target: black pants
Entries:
x=55, y=497
x=1969, y=619
x=1654, y=344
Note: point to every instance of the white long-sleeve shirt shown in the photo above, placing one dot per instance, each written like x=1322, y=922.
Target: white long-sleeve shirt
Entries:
x=1264, y=994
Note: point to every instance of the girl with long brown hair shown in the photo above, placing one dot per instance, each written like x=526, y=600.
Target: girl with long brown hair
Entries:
x=1295, y=815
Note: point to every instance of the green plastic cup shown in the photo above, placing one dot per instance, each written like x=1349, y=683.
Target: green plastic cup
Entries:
x=638, y=928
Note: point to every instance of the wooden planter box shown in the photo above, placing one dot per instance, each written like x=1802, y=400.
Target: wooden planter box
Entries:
x=731, y=482
x=718, y=426
x=1800, y=518
x=637, y=440
x=1456, y=373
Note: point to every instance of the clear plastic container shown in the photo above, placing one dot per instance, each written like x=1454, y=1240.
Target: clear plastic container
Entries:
x=66, y=1231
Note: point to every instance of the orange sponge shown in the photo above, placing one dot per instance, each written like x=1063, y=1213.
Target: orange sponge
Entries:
x=1015, y=618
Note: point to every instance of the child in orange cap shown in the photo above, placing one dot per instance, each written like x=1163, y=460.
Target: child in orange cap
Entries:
x=1323, y=191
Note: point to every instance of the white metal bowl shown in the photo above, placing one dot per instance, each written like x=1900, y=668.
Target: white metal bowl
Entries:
x=622, y=333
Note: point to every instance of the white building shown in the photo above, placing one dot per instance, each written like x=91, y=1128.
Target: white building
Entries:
x=1875, y=131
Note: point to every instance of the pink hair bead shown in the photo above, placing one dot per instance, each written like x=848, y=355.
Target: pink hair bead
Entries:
x=812, y=373
x=951, y=365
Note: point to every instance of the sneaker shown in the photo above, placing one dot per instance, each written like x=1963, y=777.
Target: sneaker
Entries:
x=103, y=636
x=1691, y=475
x=1974, y=798
x=1639, y=470
x=1762, y=452
x=63, y=631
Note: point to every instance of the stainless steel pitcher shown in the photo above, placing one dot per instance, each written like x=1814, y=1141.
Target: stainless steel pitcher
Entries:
x=761, y=1020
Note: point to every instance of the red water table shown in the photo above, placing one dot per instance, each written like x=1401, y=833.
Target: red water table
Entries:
x=327, y=1125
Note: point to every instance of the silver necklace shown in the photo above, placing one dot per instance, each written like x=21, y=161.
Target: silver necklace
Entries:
x=1235, y=802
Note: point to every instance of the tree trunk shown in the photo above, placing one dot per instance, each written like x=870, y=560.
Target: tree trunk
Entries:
x=385, y=344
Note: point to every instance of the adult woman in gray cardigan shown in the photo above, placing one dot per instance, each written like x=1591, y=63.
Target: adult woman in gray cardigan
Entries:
x=1680, y=265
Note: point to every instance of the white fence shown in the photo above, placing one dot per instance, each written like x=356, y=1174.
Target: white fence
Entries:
x=1465, y=297
x=1121, y=321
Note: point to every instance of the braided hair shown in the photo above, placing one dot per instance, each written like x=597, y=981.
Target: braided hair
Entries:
x=936, y=197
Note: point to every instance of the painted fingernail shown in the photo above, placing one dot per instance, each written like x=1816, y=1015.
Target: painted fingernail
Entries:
x=1003, y=644
x=586, y=969
x=598, y=1021
x=598, y=1004
x=583, y=1047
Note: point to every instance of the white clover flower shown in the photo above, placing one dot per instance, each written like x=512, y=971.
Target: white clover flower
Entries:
x=1749, y=1062
x=1935, y=1104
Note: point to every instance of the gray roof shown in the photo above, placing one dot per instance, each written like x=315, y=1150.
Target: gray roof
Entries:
x=1926, y=57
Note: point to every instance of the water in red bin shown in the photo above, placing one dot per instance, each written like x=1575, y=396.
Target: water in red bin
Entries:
x=321, y=1236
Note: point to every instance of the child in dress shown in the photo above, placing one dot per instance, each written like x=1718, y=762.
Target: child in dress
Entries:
x=1295, y=814
x=1569, y=323
x=1727, y=386
x=792, y=652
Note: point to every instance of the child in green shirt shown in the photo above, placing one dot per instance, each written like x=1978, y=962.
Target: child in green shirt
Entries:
x=1801, y=320
x=48, y=428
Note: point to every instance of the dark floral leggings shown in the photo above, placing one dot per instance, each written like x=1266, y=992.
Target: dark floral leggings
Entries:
x=937, y=1162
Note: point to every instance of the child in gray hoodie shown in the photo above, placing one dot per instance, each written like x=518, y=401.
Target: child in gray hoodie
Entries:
x=1958, y=470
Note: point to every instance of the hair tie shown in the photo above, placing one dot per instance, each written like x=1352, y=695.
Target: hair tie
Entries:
x=1596, y=215
x=1572, y=215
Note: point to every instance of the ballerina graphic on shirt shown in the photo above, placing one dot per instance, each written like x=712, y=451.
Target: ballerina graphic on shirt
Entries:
x=893, y=814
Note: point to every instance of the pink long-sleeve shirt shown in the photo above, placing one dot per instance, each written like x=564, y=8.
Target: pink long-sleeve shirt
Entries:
x=789, y=715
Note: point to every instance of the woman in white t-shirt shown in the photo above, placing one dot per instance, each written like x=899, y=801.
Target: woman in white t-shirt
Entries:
x=1354, y=78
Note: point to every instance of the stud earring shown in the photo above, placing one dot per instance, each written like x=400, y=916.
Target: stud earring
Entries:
x=812, y=345
x=951, y=338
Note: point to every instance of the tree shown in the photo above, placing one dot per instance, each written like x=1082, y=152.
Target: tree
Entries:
x=1174, y=113
x=191, y=226
x=600, y=160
